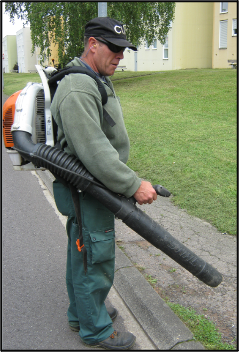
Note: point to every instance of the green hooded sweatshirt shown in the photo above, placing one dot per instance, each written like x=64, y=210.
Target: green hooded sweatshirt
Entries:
x=104, y=150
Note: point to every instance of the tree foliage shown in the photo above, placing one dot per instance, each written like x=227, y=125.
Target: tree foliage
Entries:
x=63, y=23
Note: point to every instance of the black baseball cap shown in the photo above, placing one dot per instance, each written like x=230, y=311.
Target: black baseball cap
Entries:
x=108, y=29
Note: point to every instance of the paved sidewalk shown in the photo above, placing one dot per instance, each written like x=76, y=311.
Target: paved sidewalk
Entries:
x=173, y=281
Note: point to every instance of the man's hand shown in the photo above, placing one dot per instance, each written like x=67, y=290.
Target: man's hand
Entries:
x=145, y=193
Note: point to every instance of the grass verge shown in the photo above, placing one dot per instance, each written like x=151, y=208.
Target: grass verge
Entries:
x=202, y=329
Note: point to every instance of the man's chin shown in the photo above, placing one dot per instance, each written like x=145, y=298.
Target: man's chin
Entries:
x=111, y=71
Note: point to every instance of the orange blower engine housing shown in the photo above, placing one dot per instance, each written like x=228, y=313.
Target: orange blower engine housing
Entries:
x=8, y=117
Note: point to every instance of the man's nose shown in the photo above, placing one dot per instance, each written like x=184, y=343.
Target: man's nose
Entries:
x=120, y=54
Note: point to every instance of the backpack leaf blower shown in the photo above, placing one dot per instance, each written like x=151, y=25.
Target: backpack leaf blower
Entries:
x=27, y=118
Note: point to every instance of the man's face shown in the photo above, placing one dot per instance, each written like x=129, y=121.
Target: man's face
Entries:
x=105, y=60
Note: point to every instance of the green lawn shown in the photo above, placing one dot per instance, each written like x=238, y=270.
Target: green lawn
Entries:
x=182, y=127
x=183, y=131
x=17, y=81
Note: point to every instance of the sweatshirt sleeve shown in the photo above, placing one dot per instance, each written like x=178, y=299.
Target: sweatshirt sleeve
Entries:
x=80, y=111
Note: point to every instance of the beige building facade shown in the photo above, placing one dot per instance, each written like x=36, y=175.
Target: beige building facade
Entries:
x=224, y=34
x=17, y=49
x=9, y=52
x=193, y=40
x=26, y=60
x=192, y=35
x=202, y=35
x=51, y=60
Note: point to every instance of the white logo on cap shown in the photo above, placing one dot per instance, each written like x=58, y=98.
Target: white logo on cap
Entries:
x=119, y=29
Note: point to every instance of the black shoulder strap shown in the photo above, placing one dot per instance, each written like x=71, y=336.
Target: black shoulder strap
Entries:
x=57, y=76
x=52, y=82
x=108, y=118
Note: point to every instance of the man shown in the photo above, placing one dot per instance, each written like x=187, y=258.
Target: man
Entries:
x=103, y=148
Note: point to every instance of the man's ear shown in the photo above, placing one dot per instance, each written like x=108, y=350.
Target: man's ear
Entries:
x=92, y=42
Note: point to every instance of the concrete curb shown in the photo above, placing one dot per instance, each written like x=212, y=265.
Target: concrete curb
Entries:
x=162, y=326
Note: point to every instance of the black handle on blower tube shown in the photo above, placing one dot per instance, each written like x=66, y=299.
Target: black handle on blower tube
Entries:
x=162, y=191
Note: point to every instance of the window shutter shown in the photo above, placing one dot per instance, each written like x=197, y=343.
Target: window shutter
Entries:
x=234, y=26
x=224, y=7
x=223, y=34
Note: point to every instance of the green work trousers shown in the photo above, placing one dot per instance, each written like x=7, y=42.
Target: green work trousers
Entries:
x=87, y=292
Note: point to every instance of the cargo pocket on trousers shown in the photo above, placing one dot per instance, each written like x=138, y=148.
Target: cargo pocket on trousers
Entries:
x=103, y=246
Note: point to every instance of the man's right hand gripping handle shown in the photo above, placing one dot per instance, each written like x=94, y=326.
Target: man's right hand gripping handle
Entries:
x=147, y=193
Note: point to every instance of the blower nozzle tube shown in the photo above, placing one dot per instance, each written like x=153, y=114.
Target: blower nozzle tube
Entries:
x=72, y=170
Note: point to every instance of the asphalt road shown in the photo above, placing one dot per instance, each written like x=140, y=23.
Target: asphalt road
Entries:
x=34, y=299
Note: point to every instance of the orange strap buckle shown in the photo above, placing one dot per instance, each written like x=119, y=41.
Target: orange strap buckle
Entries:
x=78, y=245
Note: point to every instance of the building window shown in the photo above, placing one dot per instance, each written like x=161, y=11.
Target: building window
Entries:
x=154, y=44
x=147, y=45
x=223, y=35
x=223, y=7
x=234, y=27
x=165, y=49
